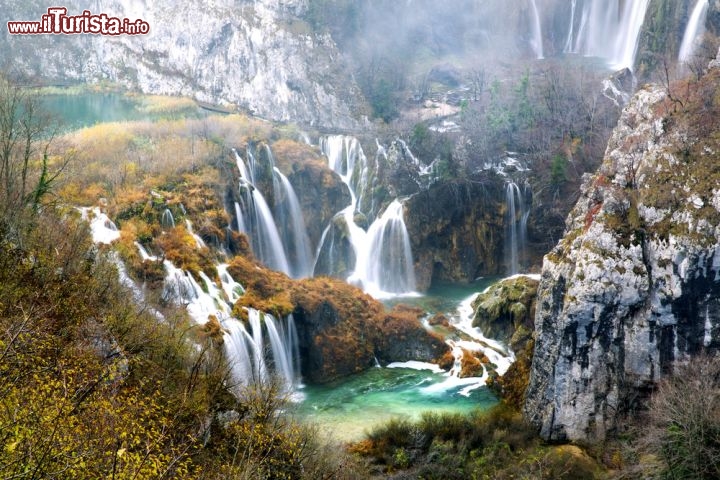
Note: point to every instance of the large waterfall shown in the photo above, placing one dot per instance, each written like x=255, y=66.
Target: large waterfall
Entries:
x=693, y=31
x=609, y=29
x=277, y=235
x=384, y=262
x=378, y=260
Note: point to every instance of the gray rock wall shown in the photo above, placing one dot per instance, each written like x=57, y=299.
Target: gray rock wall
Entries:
x=257, y=55
x=633, y=287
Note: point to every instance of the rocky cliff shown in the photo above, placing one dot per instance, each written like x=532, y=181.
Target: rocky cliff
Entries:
x=633, y=287
x=456, y=230
x=257, y=55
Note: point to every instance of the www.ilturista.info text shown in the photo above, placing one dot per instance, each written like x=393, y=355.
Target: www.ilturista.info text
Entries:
x=57, y=21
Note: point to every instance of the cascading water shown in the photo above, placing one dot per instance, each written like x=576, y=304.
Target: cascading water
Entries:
x=571, y=31
x=602, y=20
x=167, y=220
x=693, y=31
x=285, y=248
x=249, y=358
x=292, y=226
x=516, y=226
x=381, y=257
x=385, y=263
x=246, y=351
x=199, y=243
x=537, y=38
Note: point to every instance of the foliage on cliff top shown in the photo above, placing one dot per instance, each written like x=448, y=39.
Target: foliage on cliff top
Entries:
x=352, y=326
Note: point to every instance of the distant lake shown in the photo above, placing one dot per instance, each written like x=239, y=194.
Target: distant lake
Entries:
x=74, y=111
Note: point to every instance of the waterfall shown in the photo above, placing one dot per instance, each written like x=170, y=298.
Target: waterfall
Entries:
x=278, y=235
x=232, y=289
x=167, y=220
x=569, y=41
x=292, y=226
x=199, y=243
x=537, y=40
x=251, y=360
x=694, y=31
x=102, y=228
x=347, y=158
x=385, y=261
x=268, y=246
x=603, y=20
x=516, y=221
x=707, y=337
x=182, y=289
x=381, y=257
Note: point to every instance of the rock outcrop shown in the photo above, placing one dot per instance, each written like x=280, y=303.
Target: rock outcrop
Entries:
x=259, y=56
x=456, y=231
x=341, y=330
x=633, y=287
x=506, y=311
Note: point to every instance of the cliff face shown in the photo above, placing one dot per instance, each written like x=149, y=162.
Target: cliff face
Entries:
x=634, y=286
x=456, y=231
x=257, y=55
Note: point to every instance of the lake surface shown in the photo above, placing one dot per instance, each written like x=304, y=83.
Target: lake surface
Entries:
x=347, y=409
x=78, y=110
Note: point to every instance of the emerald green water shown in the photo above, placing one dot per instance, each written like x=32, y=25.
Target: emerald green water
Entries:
x=345, y=410
x=444, y=297
x=78, y=110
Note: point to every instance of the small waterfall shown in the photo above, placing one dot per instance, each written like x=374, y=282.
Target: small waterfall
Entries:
x=254, y=218
x=144, y=255
x=382, y=256
x=292, y=226
x=167, y=220
x=537, y=38
x=199, y=243
x=102, y=228
x=237, y=346
x=694, y=31
x=707, y=337
x=385, y=263
x=347, y=158
x=250, y=359
x=267, y=246
x=516, y=226
x=233, y=290
x=604, y=20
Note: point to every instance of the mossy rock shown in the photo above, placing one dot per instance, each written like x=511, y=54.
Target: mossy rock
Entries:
x=506, y=307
